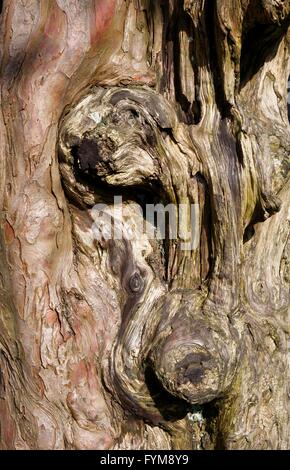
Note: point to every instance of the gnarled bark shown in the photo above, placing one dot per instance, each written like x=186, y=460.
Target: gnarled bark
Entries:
x=134, y=343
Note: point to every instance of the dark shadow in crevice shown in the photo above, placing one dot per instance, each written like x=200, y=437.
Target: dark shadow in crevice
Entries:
x=211, y=22
x=210, y=412
x=206, y=229
x=248, y=233
x=149, y=193
x=183, y=23
x=259, y=45
x=171, y=408
x=179, y=21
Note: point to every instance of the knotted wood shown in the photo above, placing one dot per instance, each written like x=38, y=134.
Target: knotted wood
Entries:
x=137, y=342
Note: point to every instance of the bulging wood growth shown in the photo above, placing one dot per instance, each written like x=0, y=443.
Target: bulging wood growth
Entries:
x=139, y=341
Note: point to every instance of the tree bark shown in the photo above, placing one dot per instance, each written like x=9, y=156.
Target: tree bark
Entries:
x=134, y=343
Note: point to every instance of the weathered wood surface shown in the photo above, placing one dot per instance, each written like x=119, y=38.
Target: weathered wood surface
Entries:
x=130, y=343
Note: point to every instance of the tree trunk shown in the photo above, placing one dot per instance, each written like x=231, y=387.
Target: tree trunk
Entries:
x=134, y=342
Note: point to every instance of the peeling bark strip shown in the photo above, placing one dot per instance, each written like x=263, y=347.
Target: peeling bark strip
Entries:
x=138, y=343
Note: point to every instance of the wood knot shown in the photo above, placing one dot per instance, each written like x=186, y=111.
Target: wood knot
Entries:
x=136, y=283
